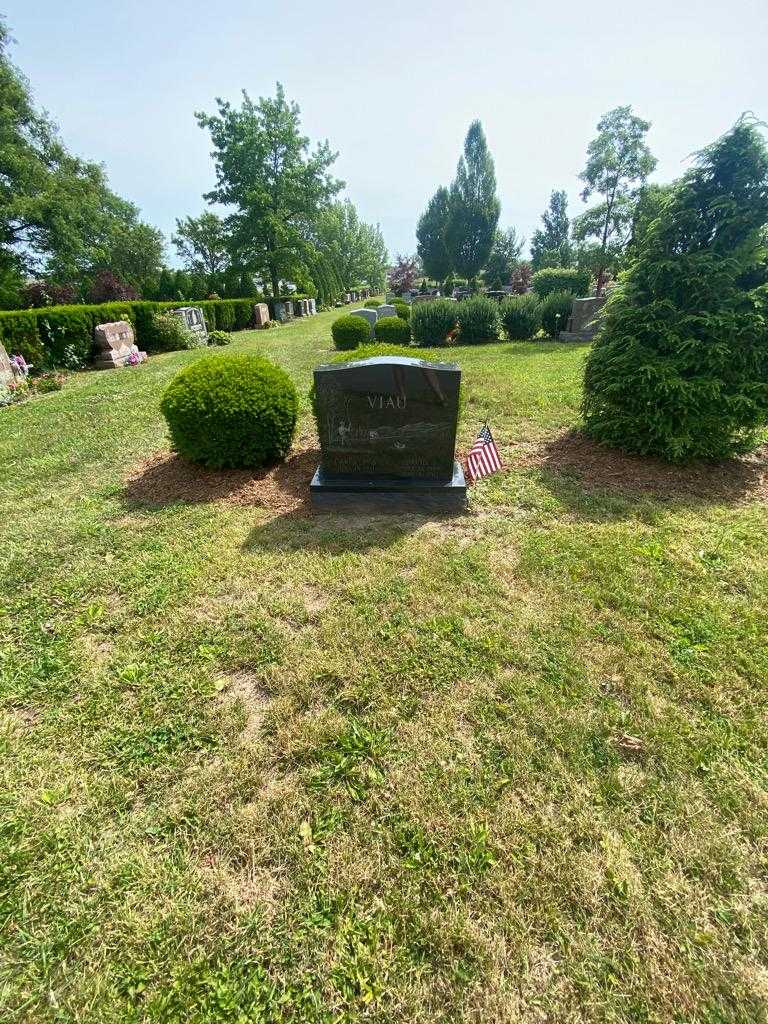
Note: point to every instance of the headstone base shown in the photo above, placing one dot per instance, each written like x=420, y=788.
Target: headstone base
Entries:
x=376, y=494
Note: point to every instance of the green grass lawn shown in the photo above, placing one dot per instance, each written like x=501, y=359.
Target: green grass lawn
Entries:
x=263, y=766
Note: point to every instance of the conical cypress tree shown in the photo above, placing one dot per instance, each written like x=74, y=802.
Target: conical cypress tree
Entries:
x=680, y=368
x=473, y=208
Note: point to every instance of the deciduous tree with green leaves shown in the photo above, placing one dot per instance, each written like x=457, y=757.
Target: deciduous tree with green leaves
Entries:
x=276, y=184
x=356, y=249
x=618, y=160
x=474, y=207
x=203, y=243
x=505, y=253
x=551, y=245
x=680, y=367
x=430, y=236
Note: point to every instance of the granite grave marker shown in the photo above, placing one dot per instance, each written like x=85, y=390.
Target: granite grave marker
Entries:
x=387, y=430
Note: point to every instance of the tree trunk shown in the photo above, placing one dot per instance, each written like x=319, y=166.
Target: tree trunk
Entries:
x=275, y=283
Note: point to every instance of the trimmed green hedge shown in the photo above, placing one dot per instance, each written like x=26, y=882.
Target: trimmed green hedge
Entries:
x=63, y=335
x=560, y=279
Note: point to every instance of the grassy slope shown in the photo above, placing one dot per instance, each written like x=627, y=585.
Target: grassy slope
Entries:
x=323, y=770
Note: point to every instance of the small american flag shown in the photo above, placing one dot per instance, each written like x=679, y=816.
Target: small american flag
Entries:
x=483, y=458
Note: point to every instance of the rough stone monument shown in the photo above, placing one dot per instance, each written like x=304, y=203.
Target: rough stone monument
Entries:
x=116, y=346
x=385, y=310
x=6, y=370
x=582, y=323
x=260, y=314
x=366, y=314
x=387, y=430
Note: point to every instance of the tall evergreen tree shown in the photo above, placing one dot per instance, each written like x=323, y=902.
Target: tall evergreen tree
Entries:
x=430, y=236
x=551, y=245
x=474, y=207
x=680, y=368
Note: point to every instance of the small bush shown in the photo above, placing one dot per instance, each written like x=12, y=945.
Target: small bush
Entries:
x=478, y=320
x=350, y=331
x=392, y=329
x=432, y=322
x=231, y=410
x=555, y=310
x=47, y=382
x=373, y=303
x=560, y=279
x=219, y=338
x=171, y=333
x=402, y=309
x=521, y=317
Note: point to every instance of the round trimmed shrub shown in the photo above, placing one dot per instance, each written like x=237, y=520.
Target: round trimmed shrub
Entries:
x=521, y=317
x=432, y=322
x=560, y=279
x=219, y=338
x=478, y=320
x=392, y=329
x=350, y=331
x=402, y=309
x=373, y=303
x=555, y=310
x=231, y=410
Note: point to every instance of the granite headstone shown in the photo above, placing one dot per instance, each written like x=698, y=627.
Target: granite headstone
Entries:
x=115, y=345
x=6, y=370
x=260, y=314
x=387, y=430
x=385, y=310
x=366, y=314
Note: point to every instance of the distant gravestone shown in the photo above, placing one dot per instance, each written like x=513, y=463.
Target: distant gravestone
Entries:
x=6, y=370
x=116, y=346
x=289, y=311
x=260, y=314
x=193, y=319
x=422, y=298
x=312, y=307
x=385, y=310
x=387, y=430
x=298, y=307
x=582, y=323
x=366, y=314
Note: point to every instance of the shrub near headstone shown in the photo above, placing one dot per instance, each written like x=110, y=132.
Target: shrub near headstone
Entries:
x=680, y=366
x=521, y=317
x=350, y=331
x=432, y=322
x=392, y=329
x=231, y=410
x=478, y=320
x=555, y=310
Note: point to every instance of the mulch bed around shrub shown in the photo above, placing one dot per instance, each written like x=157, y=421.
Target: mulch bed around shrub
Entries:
x=598, y=468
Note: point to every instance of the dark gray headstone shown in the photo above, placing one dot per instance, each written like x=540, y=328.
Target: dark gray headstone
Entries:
x=387, y=430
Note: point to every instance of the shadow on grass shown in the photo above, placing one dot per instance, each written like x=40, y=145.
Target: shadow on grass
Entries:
x=332, y=533
x=590, y=478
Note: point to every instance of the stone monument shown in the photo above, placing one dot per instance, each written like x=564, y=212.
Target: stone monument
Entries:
x=6, y=370
x=116, y=346
x=583, y=324
x=385, y=310
x=387, y=430
x=366, y=314
x=260, y=314
x=193, y=319
x=312, y=307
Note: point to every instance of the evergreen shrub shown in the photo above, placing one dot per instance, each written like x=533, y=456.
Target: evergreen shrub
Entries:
x=350, y=331
x=521, y=317
x=560, y=279
x=392, y=329
x=680, y=366
x=231, y=410
x=432, y=322
x=478, y=319
x=555, y=310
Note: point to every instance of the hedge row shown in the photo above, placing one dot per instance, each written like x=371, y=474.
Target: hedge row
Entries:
x=63, y=335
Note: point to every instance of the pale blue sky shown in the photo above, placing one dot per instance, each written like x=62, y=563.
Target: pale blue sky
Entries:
x=393, y=87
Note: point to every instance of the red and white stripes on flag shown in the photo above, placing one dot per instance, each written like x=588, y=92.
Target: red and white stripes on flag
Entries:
x=483, y=458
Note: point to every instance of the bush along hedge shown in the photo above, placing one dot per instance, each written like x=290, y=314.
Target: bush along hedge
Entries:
x=350, y=331
x=228, y=410
x=560, y=279
x=478, y=320
x=55, y=336
x=521, y=317
x=432, y=322
x=555, y=310
x=392, y=329
x=219, y=338
x=402, y=309
x=373, y=303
